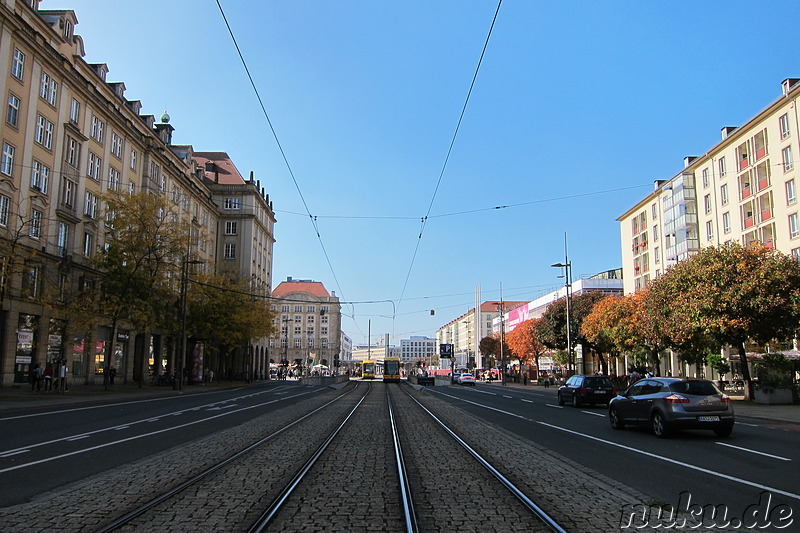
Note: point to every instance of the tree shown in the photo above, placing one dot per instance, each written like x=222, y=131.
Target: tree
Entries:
x=137, y=269
x=222, y=310
x=552, y=329
x=606, y=327
x=729, y=294
x=524, y=342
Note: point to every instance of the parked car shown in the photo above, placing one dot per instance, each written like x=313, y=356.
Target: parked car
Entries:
x=667, y=404
x=456, y=377
x=467, y=379
x=586, y=389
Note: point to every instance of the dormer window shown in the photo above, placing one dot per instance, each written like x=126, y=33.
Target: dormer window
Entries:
x=67, y=32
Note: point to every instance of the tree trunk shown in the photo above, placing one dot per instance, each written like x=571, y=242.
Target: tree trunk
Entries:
x=748, y=382
x=109, y=354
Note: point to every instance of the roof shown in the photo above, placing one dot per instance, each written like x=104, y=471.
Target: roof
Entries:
x=314, y=288
x=224, y=171
x=494, y=307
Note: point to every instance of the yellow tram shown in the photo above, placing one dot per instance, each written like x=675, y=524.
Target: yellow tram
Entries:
x=368, y=369
x=391, y=370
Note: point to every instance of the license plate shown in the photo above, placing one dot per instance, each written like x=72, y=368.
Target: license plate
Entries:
x=600, y=392
x=708, y=419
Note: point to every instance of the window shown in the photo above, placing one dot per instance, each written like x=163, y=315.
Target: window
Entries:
x=93, y=167
x=723, y=194
x=18, y=64
x=298, y=330
x=35, y=230
x=7, y=162
x=796, y=254
x=31, y=282
x=794, y=228
x=705, y=178
x=655, y=211
x=231, y=203
x=709, y=230
x=5, y=209
x=297, y=343
x=722, y=169
x=97, y=129
x=62, y=239
x=73, y=154
x=48, y=89
x=230, y=251
x=133, y=159
x=230, y=228
x=284, y=309
x=90, y=205
x=116, y=144
x=788, y=162
x=784, y=124
x=657, y=255
x=12, y=114
x=68, y=188
x=40, y=176
x=655, y=233
x=75, y=111
x=88, y=244
x=44, y=132
x=298, y=309
x=707, y=202
x=791, y=192
x=113, y=179
x=311, y=309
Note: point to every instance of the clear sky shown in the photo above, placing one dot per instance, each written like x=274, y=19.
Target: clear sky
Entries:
x=578, y=107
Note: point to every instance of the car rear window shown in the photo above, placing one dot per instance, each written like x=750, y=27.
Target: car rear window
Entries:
x=698, y=388
x=598, y=382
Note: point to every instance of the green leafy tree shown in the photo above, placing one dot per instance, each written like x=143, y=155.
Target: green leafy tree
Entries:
x=718, y=364
x=552, y=328
x=729, y=294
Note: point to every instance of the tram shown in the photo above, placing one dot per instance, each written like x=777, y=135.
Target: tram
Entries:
x=391, y=370
x=368, y=369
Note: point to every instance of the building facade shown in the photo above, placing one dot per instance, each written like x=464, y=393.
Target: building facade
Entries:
x=743, y=189
x=308, y=323
x=418, y=349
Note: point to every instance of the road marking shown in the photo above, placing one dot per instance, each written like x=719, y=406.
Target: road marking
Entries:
x=506, y=396
x=676, y=462
x=746, y=424
x=9, y=454
x=118, y=428
x=556, y=406
x=485, y=392
x=221, y=408
x=593, y=414
x=527, y=401
x=78, y=437
x=754, y=451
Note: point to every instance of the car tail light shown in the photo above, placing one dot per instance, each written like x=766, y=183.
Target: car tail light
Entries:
x=725, y=398
x=676, y=398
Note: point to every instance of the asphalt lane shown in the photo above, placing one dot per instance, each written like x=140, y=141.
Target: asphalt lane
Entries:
x=760, y=456
x=41, y=451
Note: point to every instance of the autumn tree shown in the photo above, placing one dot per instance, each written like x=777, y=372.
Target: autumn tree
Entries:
x=552, y=329
x=607, y=327
x=729, y=294
x=524, y=342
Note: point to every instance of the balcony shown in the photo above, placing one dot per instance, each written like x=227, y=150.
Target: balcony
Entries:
x=763, y=183
x=761, y=152
x=766, y=214
x=746, y=191
x=744, y=163
x=749, y=222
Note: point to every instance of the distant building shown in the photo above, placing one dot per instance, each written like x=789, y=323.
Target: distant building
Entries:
x=308, y=323
x=418, y=349
x=345, y=348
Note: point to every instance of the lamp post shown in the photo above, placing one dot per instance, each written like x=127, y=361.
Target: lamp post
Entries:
x=567, y=266
x=177, y=383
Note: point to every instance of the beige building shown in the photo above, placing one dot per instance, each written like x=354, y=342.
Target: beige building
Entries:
x=308, y=323
x=744, y=189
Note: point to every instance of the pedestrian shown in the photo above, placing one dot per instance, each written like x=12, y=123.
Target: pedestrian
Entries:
x=210, y=375
x=47, y=375
x=34, y=376
x=112, y=373
x=62, y=377
x=635, y=376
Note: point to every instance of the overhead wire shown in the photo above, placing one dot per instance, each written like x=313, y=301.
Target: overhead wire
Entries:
x=424, y=220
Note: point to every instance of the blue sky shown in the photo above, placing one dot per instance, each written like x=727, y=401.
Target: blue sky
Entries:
x=577, y=109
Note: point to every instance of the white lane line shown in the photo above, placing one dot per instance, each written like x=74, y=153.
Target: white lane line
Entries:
x=676, y=462
x=556, y=406
x=120, y=428
x=506, y=396
x=136, y=437
x=594, y=414
x=754, y=451
x=527, y=401
x=77, y=437
x=14, y=453
x=485, y=392
x=746, y=424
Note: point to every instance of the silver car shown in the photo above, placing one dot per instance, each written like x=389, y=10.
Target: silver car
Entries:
x=666, y=404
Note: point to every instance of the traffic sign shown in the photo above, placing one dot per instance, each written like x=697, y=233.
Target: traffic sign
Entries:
x=445, y=350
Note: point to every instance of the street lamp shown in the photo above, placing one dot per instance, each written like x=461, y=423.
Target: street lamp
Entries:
x=177, y=383
x=567, y=266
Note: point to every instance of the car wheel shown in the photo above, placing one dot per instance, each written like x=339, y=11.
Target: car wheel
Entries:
x=723, y=431
x=560, y=399
x=616, y=420
x=575, y=402
x=659, y=425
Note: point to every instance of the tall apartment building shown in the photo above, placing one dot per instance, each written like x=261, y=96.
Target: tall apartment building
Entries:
x=308, y=323
x=68, y=136
x=466, y=331
x=742, y=189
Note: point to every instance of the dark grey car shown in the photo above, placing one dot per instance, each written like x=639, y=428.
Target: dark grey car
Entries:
x=666, y=404
x=581, y=389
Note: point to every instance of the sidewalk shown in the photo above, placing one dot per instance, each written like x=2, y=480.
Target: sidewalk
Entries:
x=749, y=409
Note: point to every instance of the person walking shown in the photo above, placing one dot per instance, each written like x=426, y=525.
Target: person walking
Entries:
x=62, y=377
x=47, y=375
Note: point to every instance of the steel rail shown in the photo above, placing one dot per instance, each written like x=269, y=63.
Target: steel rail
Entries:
x=130, y=516
x=266, y=517
x=521, y=496
x=410, y=516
